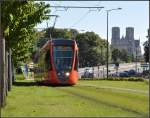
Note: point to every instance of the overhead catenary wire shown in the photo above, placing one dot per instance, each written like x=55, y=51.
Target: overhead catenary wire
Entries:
x=67, y=7
x=84, y=16
x=81, y=18
x=95, y=8
x=99, y=2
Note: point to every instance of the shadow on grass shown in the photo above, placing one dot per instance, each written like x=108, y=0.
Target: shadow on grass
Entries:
x=26, y=84
x=22, y=83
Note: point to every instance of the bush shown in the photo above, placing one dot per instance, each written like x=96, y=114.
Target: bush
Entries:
x=146, y=81
x=117, y=79
x=19, y=77
x=125, y=78
x=135, y=79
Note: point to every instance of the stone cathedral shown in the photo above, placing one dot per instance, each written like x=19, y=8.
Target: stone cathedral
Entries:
x=128, y=42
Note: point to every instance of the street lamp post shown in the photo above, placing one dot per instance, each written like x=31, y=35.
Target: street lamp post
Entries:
x=107, y=35
x=148, y=36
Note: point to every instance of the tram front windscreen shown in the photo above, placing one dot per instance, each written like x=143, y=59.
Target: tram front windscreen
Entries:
x=63, y=57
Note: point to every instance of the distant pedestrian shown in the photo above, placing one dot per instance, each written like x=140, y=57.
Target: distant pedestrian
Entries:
x=31, y=69
x=138, y=70
x=26, y=71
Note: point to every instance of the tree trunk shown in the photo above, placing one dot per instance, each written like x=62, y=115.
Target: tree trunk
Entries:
x=6, y=72
x=2, y=66
x=2, y=71
x=9, y=71
x=13, y=72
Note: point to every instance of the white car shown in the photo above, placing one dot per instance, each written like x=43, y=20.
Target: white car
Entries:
x=88, y=73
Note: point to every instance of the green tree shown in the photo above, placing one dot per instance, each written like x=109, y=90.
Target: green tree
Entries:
x=18, y=21
x=121, y=55
x=91, y=48
x=116, y=54
x=125, y=56
x=83, y=49
x=59, y=33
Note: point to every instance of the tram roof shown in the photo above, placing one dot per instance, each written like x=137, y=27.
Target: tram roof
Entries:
x=62, y=41
x=59, y=41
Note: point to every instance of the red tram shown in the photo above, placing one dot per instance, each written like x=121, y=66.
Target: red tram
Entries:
x=58, y=63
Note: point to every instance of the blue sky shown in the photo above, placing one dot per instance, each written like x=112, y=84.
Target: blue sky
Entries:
x=133, y=14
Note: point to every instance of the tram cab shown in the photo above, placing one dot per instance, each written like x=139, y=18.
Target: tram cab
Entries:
x=57, y=63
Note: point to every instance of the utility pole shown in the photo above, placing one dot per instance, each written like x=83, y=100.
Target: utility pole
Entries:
x=107, y=55
x=107, y=46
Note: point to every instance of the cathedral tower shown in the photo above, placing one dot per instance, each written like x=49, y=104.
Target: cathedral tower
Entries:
x=115, y=35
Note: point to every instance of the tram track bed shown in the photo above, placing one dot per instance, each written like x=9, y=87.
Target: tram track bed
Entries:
x=85, y=99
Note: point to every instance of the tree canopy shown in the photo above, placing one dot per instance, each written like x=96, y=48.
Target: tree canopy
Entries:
x=91, y=49
x=119, y=55
x=116, y=54
x=18, y=21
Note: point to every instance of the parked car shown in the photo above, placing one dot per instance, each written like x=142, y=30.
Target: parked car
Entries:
x=88, y=73
x=123, y=74
x=132, y=72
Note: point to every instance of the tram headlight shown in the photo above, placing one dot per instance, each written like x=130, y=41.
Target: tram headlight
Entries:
x=59, y=74
x=67, y=73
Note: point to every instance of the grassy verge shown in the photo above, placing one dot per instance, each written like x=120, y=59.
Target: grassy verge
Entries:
x=86, y=98
x=138, y=85
x=19, y=77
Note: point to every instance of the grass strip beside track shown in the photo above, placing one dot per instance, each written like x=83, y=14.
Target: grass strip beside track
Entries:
x=138, y=85
x=104, y=97
x=117, y=88
x=28, y=99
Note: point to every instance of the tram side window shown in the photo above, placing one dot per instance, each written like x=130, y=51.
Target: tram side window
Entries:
x=76, y=62
x=48, y=65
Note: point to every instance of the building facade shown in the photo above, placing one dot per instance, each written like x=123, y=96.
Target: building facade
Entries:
x=128, y=42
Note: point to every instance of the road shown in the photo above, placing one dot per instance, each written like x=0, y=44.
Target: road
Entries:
x=103, y=70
